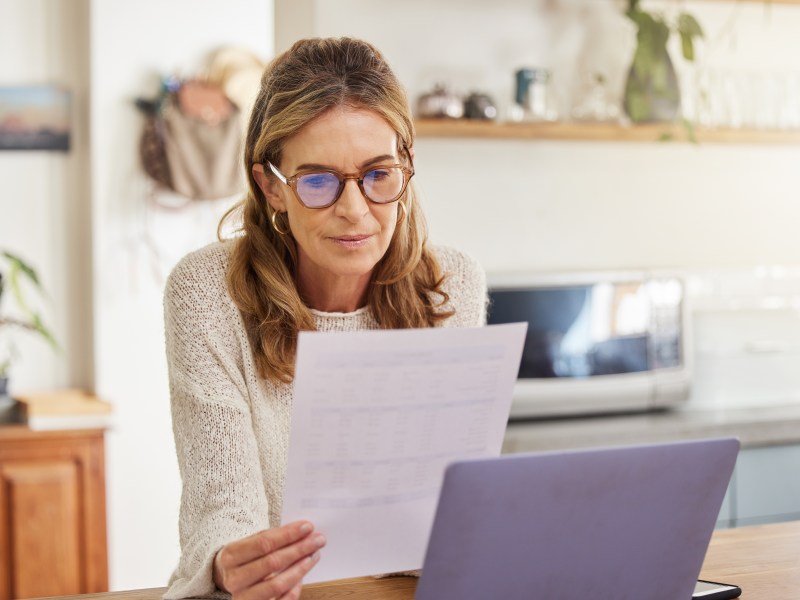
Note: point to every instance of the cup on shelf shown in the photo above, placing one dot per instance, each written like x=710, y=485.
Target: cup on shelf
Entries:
x=532, y=98
x=596, y=104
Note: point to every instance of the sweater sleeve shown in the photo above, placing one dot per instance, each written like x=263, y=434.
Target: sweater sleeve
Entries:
x=465, y=283
x=223, y=496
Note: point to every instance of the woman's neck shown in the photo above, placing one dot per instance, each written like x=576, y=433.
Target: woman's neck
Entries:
x=334, y=294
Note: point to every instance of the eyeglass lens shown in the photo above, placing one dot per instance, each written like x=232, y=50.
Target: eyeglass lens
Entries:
x=321, y=189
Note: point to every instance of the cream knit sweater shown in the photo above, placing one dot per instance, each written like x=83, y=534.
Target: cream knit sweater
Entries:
x=231, y=426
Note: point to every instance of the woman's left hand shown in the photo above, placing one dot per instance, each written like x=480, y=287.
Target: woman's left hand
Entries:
x=268, y=564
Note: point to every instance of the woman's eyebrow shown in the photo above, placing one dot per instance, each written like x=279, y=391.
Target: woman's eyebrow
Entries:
x=378, y=159
x=366, y=163
x=313, y=166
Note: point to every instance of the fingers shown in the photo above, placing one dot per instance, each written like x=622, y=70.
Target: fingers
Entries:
x=273, y=561
x=277, y=561
x=285, y=585
x=263, y=543
x=294, y=593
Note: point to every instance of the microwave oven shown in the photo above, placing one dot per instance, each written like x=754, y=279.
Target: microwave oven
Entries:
x=597, y=342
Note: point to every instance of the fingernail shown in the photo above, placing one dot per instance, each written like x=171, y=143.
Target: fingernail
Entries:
x=306, y=528
x=319, y=540
x=313, y=558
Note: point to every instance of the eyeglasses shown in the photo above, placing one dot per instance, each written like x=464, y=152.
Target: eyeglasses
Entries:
x=320, y=188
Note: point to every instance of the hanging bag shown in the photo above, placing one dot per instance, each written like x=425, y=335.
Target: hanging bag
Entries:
x=191, y=141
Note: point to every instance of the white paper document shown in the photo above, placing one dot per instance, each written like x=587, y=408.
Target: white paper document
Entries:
x=377, y=417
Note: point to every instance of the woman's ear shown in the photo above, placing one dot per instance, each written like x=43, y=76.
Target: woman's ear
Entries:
x=269, y=187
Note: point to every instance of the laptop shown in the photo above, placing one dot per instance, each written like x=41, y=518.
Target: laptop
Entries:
x=624, y=523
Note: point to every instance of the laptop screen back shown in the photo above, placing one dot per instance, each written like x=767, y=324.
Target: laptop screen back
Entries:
x=624, y=523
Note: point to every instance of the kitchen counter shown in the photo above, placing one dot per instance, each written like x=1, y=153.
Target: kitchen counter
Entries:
x=754, y=426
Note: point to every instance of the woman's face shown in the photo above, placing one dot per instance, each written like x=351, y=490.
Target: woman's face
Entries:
x=347, y=239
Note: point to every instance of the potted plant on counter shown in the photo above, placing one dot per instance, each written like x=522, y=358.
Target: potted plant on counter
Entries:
x=652, y=93
x=18, y=278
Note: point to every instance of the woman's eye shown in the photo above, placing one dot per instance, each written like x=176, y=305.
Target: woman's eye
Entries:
x=318, y=181
x=377, y=174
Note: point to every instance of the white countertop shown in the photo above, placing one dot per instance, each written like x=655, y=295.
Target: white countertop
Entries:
x=754, y=426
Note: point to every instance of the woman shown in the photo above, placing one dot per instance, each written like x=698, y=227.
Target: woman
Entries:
x=332, y=240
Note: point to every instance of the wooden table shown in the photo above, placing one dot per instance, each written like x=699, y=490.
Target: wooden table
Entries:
x=763, y=560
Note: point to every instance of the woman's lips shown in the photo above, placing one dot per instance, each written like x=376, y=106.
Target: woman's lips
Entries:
x=351, y=241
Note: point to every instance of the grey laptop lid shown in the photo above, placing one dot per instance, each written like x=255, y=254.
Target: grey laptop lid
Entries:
x=623, y=523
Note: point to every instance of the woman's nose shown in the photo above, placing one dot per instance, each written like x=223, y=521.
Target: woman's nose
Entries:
x=351, y=204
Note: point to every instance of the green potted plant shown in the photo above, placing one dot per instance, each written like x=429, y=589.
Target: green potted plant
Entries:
x=652, y=93
x=18, y=278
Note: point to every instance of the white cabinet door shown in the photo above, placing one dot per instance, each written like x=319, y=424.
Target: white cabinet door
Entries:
x=726, y=516
x=767, y=485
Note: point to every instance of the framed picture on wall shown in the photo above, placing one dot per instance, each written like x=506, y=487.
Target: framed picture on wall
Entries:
x=35, y=118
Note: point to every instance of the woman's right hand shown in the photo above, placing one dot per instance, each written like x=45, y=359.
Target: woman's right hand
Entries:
x=270, y=563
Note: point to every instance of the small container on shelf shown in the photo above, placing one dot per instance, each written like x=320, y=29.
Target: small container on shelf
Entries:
x=532, y=101
x=596, y=105
x=440, y=103
x=480, y=106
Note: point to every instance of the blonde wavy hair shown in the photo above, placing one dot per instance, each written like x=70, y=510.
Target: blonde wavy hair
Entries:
x=312, y=77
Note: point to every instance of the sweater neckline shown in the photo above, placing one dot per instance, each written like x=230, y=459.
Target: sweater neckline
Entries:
x=339, y=315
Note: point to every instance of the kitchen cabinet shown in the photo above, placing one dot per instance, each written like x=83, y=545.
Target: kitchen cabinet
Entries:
x=725, y=518
x=767, y=486
x=764, y=487
x=52, y=513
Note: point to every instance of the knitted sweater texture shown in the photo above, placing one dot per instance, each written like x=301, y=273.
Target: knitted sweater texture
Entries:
x=231, y=426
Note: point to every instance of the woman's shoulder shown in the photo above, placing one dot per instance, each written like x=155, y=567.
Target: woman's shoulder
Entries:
x=459, y=265
x=201, y=271
x=465, y=285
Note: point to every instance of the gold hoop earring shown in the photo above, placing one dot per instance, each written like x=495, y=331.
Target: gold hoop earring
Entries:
x=404, y=216
x=274, y=219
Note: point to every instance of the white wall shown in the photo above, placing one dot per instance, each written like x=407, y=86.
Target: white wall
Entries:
x=135, y=246
x=565, y=205
x=44, y=201
x=582, y=206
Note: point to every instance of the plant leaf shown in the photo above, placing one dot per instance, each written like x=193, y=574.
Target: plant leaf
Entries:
x=37, y=323
x=18, y=270
x=16, y=290
x=688, y=25
x=25, y=269
x=689, y=29
x=687, y=46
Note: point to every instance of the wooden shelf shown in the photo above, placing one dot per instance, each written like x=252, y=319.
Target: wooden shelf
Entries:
x=462, y=128
x=795, y=2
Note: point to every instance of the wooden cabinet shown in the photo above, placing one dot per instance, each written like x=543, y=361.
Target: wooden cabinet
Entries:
x=52, y=513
